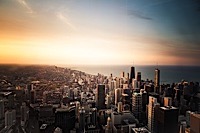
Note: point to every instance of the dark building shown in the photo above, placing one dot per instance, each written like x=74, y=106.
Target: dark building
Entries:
x=101, y=97
x=168, y=120
x=139, y=76
x=65, y=118
x=157, y=78
x=132, y=74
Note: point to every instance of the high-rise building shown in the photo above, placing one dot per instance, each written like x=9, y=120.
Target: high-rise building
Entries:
x=101, y=96
x=168, y=120
x=94, y=116
x=24, y=114
x=118, y=93
x=137, y=105
x=65, y=118
x=194, y=123
x=157, y=78
x=139, y=77
x=132, y=74
x=153, y=108
x=33, y=96
x=82, y=120
x=119, y=107
x=167, y=101
x=1, y=109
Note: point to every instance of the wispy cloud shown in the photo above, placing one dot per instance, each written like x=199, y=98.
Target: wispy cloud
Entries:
x=26, y=5
x=138, y=14
x=65, y=20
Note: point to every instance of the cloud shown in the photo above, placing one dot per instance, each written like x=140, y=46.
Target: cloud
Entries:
x=138, y=14
x=26, y=5
x=65, y=20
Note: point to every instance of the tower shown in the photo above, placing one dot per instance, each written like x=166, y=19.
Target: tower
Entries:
x=82, y=120
x=132, y=74
x=139, y=76
x=137, y=105
x=153, y=108
x=33, y=96
x=157, y=78
x=117, y=95
x=101, y=96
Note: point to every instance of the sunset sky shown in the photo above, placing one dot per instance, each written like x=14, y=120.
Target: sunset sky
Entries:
x=100, y=32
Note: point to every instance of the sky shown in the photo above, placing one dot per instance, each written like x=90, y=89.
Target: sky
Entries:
x=100, y=32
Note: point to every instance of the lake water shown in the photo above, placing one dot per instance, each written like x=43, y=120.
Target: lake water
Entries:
x=168, y=74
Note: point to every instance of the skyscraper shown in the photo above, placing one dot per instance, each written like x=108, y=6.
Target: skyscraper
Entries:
x=82, y=119
x=157, y=78
x=118, y=95
x=137, y=105
x=139, y=76
x=153, y=108
x=33, y=96
x=132, y=76
x=101, y=96
x=10, y=118
x=168, y=120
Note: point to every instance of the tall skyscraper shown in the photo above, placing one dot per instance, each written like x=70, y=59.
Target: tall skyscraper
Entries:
x=118, y=95
x=139, y=77
x=153, y=108
x=24, y=114
x=168, y=120
x=101, y=96
x=132, y=76
x=1, y=109
x=82, y=120
x=137, y=105
x=33, y=96
x=157, y=78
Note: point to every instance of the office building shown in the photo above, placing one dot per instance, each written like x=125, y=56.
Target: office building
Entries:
x=168, y=120
x=65, y=118
x=153, y=108
x=139, y=77
x=137, y=105
x=82, y=120
x=157, y=78
x=101, y=96
x=167, y=101
x=118, y=94
x=33, y=96
x=132, y=74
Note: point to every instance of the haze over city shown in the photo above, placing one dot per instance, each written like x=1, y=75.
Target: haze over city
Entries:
x=100, y=32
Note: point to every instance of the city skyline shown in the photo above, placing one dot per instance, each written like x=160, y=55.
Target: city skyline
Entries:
x=100, y=32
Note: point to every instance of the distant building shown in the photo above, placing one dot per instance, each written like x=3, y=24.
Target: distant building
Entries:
x=132, y=74
x=101, y=96
x=139, y=77
x=33, y=96
x=157, y=78
x=168, y=120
